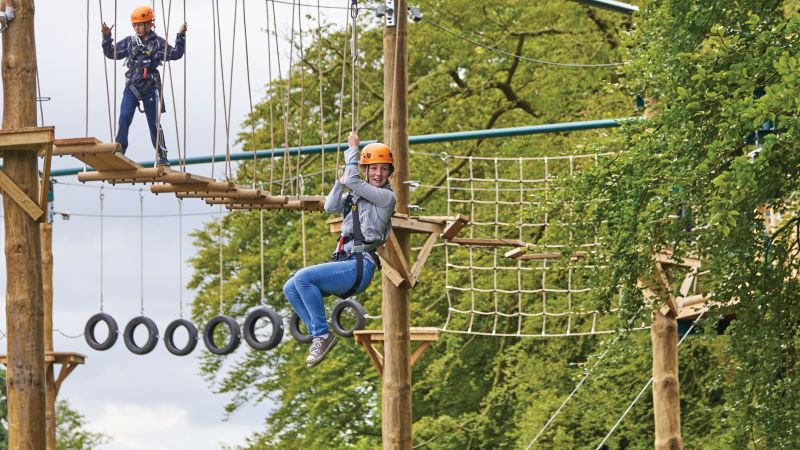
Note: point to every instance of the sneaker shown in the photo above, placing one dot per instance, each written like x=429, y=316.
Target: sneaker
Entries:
x=162, y=162
x=320, y=346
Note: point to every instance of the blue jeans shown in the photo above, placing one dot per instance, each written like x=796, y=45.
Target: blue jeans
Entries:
x=127, y=109
x=307, y=287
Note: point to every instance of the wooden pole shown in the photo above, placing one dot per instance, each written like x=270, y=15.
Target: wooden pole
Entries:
x=24, y=311
x=46, y=232
x=666, y=387
x=396, y=391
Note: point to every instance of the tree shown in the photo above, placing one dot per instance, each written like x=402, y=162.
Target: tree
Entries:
x=70, y=431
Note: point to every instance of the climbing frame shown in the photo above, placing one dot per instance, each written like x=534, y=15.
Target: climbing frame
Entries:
x=369, y=338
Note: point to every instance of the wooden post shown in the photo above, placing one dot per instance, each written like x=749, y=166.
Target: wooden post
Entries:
x=24, y=315
x=666, y=388
x=396, y=391
x=46, y=232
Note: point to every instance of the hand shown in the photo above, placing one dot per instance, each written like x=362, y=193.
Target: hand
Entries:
x=105, y=29
x=352, y=139
x=183, y=28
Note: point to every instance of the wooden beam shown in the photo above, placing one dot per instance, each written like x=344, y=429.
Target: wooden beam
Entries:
x=45, y=184
x=452, y=229
x=214, y=186
x=394, y=251
x=26, y=138
x=149, y=174
x=87, y=146
x=13, y=191
x=390, y=272
x=481, y=242
x=250, y=194
x=422, y=257
x=666, y=257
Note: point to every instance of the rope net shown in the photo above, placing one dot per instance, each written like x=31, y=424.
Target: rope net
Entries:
x=505, y=275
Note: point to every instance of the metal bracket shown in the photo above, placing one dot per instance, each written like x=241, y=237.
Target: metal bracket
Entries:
x=391, y=11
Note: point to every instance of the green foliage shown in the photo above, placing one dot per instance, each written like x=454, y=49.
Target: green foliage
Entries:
x=703, y=65
x=472, y=391
x=70, y=432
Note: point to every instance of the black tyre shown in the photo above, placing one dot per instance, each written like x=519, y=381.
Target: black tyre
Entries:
x=249, y=328
x=336, y=317
x=169, y=337
x=234, y=339
x=113, y=331
x=294, y=329
x=152, y=335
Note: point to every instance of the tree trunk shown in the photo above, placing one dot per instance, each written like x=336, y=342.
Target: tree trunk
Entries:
x=24, y=316
x=50, y=381
x=666, y=388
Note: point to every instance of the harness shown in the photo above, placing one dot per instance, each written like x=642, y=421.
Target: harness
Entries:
x=149, y=76
x=359, y=245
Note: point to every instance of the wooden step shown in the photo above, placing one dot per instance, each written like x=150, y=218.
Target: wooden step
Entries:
x=26, y=139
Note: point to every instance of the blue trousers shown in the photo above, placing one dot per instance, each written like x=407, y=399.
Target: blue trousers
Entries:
x=307, y=287
x=128, y=108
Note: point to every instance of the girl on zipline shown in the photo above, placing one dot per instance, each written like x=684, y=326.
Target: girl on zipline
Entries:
x=367, y=211
x=145, y=53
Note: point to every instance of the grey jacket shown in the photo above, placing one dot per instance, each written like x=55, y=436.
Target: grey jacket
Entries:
x=375, y=205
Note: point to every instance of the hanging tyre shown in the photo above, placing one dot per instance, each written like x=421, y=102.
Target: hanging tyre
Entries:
x=113, y=331
x=169, y=337
x=294, y=329
x=336, y=317
x=234, y=336
x=152, y=335
x=249, y=328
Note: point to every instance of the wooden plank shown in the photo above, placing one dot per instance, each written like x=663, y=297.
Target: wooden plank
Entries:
x=88, y=148
x=481, y=242
x=415, y=225
x=27, y=138
x=108, y=161
x=76, y=142
x=452, y=229
x=422, y=257
x=668, y=258
x=419, y=351
x=213, y=186
x=390, y=252
x=11, y=189
x=143, y=175
x=253, y=194
x=416, y=334
x=522, y=254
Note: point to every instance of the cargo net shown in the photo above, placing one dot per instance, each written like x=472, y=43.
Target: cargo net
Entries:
x=506, y=274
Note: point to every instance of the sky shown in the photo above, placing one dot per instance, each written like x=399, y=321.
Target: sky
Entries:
x=156, y=401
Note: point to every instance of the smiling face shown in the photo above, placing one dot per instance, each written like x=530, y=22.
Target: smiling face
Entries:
x=377, y=174
x=142, y=28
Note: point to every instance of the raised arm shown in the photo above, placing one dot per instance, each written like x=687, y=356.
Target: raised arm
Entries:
x=177, y=51
x=108, y=44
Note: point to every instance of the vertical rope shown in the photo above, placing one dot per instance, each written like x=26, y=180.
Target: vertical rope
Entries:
x=230, y=95
x=214, y=21
x=269, y=99
x=168, y=73
x=105, y=77
x=86, y=118
x=303, y=220
x=286, y=165
x=141, y=252
x=471, y=252
x=249, y=92
x=185, y=57
x=339, y=137
x=40, y=99
x=261, y=247
x=165, y=21
x=447, y=244
x=102, y=197
x=180, y=258
x=520, y=313
x=353, y=60
x=115, y=72
x=301, y=124
x=494, y=250
x=219, y=222
x=394, y=76
x=321, y=102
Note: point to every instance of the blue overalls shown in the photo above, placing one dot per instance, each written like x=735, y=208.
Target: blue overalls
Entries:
x=144, y=56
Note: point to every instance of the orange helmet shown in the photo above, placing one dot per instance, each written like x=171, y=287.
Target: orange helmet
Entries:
x=142, y=14
x=376, y=153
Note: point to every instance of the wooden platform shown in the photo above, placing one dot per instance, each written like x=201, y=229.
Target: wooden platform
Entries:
x=369, y=338
x=68, y=361
x=26, y=139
